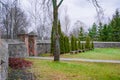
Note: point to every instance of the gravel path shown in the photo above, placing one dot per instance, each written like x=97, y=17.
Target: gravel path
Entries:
x=79, y=59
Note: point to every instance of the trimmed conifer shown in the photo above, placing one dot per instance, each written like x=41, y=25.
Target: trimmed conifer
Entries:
x=87, y=44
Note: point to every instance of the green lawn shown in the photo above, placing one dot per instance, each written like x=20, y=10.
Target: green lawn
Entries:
x=98, y=53
x=49, y=70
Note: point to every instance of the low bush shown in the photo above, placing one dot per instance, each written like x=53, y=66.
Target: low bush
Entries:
x=19, y=63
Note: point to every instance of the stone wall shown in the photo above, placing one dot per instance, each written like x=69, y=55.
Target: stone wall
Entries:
x=3, y=60
x=43, y=46
x=107, y=44
x=16, y=48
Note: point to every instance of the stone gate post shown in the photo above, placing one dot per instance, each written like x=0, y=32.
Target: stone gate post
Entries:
x=32, y=44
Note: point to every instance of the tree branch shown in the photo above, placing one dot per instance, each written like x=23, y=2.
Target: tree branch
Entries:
x=60, y=3
x=99, y=10
x=2, y=3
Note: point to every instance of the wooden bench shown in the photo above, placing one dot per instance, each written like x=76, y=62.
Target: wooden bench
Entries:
x=73, y=52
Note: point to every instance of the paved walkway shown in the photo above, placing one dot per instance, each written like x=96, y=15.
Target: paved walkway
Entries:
x=79, y=59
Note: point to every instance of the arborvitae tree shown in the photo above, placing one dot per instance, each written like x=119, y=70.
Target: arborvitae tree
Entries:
x=52, y=41
x=68, y=44
x=81, y=34
x=62, y=46
x=76, y=44
x=79, y=45
x=82, y=46
x=65, y=44
x=92, y=44
x=73, y=43
x=62, y=43
x=87, y=44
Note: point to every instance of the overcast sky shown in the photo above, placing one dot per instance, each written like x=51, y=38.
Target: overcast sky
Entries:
x=84, y=11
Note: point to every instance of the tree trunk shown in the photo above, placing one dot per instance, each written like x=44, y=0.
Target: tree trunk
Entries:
x=56, y=36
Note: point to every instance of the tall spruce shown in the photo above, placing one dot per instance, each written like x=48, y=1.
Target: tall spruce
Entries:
x=116, y=26
x=100, y=27
x=93, y=32
x=105, y=32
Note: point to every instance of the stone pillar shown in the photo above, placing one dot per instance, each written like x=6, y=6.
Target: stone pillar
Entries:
x=24, y=37
x=32, y=44
x=3, y=60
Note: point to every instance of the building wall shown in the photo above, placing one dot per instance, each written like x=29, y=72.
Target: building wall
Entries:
x=3, y=57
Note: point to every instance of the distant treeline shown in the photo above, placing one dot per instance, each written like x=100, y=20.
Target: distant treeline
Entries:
x=107, y=32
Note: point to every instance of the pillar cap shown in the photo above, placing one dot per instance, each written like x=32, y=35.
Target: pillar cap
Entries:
x=32, y=34
x=22, y=32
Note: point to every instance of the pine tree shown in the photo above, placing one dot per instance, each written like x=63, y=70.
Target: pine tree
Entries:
x=93, y=32
x=104, y=34
x=116, y=26
x=100, y=27
x=109, y=38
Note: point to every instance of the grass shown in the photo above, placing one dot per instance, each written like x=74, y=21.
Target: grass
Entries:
x=98, y=53
x=49, y=70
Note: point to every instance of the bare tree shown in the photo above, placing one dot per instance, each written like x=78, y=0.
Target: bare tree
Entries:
x=41, y=18
x=66, y=21
x=99, y=10
x=76, y=28
x=14, y=19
